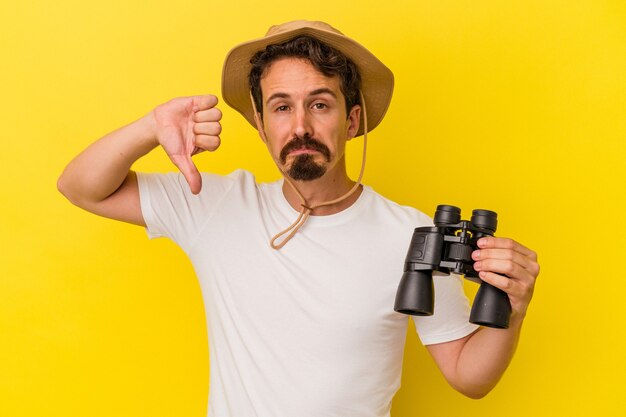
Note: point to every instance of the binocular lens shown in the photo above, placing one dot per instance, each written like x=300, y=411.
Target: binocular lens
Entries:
x=485, y=219
x=416, y=294
x=491, y=307
x=447, y=215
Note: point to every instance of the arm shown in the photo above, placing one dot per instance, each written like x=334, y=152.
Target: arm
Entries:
x=473, y=365
x=99, y=179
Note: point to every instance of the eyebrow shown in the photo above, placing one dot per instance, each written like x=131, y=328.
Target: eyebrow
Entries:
x=323, y=90
x=276, y=95
x=317, y=92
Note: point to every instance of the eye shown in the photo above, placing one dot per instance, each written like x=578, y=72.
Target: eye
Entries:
x=320, y=106
x=282, y=108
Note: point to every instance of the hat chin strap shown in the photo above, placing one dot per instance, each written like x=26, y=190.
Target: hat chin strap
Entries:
x=307, y=209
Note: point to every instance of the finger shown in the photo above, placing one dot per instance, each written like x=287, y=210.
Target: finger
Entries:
x=505, y=254
x=189, y=171
x=505, y=243
x=207, y=128
x=203, y=102
x=520, y=293
x=207, y=142
x=197, y=151
x=211, y=115
x=509, y=268
x=504, y=283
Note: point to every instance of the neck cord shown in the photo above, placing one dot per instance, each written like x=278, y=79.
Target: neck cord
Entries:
x=307, y=209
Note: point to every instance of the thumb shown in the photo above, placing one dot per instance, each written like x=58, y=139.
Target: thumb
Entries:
x=189, y=171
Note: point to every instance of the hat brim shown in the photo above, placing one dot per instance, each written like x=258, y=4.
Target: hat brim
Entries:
x=376, y=78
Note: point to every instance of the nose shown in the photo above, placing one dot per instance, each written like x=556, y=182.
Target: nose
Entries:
x=302, y=123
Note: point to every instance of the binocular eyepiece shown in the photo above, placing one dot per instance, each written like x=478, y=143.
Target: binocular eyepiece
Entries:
x=448, y=248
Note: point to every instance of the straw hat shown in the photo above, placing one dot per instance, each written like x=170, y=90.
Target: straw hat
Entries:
x=376, y=78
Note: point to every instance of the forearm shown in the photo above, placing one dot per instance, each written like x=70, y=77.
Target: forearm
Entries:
x=484, y=358
x=474, y=364
x=99, y=170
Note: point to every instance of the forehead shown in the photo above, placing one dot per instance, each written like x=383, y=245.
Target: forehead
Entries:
x=296, y=75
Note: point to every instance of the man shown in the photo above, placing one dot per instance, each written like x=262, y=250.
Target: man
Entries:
x=300, y=323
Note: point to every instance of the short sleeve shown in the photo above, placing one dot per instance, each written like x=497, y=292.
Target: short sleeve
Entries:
x=171, y=210
x=450, y=320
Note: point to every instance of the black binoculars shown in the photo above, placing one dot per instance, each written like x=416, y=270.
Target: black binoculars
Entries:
x=448, y=248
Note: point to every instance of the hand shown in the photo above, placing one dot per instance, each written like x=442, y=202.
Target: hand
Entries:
x=509, y=266
x=186, y=126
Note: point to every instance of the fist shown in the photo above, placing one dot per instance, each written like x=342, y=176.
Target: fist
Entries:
x=206, y=118
x=186, y=126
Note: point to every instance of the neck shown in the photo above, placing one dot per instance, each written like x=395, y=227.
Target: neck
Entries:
x=327, y=188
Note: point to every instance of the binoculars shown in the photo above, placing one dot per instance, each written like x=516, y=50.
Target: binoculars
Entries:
x=448, y=248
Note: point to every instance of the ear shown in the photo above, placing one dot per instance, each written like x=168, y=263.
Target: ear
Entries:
x=354, y=119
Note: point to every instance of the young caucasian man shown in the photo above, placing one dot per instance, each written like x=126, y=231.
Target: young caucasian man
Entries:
x=300, y=322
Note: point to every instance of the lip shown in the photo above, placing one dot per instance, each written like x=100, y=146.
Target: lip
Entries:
x=303, y=151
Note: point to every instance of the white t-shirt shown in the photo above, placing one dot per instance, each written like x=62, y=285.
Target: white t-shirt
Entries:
x=308, y=330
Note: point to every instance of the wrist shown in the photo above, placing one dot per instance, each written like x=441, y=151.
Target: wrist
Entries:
x=147, y=125
x=516, y=319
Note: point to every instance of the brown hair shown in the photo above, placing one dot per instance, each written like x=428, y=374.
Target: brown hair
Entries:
x=324, y=58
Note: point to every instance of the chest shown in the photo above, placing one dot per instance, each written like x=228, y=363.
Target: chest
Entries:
x=327, y=284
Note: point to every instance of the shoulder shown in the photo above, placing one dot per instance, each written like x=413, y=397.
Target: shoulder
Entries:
x=382, y=206
x=210, y=182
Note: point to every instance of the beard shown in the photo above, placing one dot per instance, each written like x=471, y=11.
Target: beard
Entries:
x=304, y=167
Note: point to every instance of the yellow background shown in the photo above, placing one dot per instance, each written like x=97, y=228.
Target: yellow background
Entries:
x=514, y=106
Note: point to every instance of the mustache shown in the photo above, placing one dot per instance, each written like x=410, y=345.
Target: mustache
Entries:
x=304, y=142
